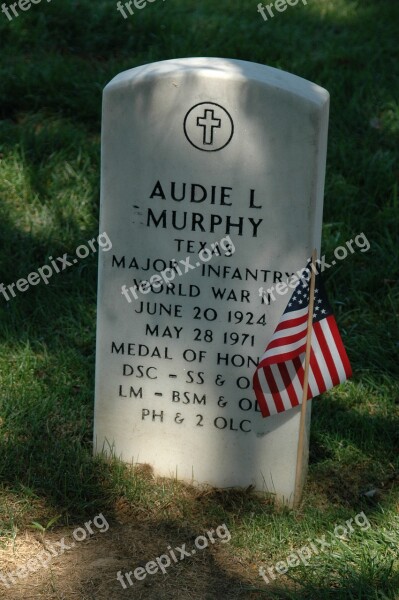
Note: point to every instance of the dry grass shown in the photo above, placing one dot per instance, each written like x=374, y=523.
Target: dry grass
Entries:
x=88, y=571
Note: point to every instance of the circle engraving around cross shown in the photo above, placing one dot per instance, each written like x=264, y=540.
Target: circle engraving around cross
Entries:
x=208, y=126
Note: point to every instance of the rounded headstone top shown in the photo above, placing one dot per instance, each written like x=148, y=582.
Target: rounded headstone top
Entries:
x=223, y=68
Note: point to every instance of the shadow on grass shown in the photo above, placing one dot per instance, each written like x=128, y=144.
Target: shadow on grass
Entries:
x=377, y=585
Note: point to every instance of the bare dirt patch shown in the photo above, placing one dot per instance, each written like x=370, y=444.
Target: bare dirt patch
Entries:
x=88, y=570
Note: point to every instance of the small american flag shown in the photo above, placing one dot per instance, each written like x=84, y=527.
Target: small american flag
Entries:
x=278, y=379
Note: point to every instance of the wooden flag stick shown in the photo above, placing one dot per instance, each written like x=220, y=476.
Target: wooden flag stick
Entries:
x=299, y=460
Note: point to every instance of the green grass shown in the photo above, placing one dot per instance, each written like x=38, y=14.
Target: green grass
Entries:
x=56, y=59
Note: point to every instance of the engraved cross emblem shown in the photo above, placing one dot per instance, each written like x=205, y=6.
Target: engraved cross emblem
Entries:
x=209, y=123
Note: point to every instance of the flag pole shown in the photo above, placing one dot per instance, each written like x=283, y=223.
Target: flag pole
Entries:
x=299, y=460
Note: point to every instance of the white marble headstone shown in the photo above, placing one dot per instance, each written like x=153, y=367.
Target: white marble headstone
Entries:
x=227, y=156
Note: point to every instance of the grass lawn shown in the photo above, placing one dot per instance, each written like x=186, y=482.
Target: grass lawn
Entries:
x=55, y=60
